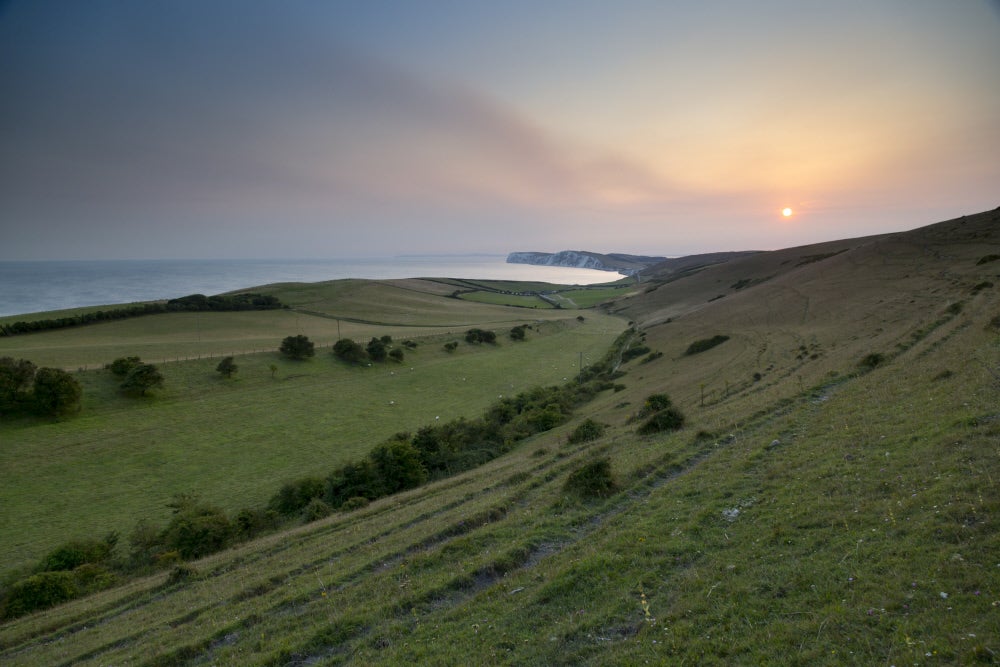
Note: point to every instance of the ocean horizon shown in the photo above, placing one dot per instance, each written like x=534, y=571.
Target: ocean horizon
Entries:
x=32, y=286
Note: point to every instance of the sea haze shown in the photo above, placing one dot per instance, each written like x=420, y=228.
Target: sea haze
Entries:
x=31, y=287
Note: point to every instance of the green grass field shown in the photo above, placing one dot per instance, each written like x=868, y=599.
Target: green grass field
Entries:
x=234, y=441
x=811, y=511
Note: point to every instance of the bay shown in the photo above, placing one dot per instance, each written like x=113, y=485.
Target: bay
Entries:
x=38, y=286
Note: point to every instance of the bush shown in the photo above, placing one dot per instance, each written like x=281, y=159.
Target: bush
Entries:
x=396, y=355
x=451, y=347
x=75, y=553
x=347, y=350
x=670, y=419
x=399, y=466
x=196, y=530
x=480, y=336
x=587, y=431
x=142, y=378
x=227, y=367
x=705, y=344
x=655, y=403
x=518, y=332
x=39, y=592
x=15, y=378
x=633, y=352
x=56, y=392
x=350, y=351
x=376, y=349
x=592, y=480
x=296, y=495
x=251, y=522
x=122, y=365
x=297, y=347
x=870, y=361
x=354, y=503
x=316, y=510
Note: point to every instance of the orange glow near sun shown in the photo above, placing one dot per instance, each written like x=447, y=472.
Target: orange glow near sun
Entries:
x=787, y=212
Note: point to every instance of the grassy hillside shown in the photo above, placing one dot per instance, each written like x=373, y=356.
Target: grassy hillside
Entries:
x=831, y=499
x=235, y=441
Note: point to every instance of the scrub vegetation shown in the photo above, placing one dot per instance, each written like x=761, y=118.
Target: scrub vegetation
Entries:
x=811, y=508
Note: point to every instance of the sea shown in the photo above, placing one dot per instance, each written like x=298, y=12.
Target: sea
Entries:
x=37, y=286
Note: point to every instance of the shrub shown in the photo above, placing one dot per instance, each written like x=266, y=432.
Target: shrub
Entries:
x=142, y=378
x=981, y=286
x=196, y=530
x=670, y=419
x=296, y=495
x=91, y=577
x=870, y=361
x=480, y=336
x=122, y=365
x=398, y=464
x=634, y=352
x=655, y=403
x=316, y=510
x=347, y=350
x=297, y=347
x=56, y=392
x=40, y=591
x=592, y=480
x=705, y=344
x=75, y=553
x=518, y=332
x=251, y=522
x=396, y=355
x=227, y=367
x=15, y=378
x=588, y=430
x=180, y=574
x=376, y=349
x=354, y=503
x=451, y=347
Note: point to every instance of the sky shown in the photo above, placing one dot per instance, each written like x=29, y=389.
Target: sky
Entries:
x=133, y=129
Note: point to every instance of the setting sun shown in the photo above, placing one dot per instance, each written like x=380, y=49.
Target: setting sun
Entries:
x=787, y=212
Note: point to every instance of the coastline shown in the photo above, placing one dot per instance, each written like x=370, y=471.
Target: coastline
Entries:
x=33, y=286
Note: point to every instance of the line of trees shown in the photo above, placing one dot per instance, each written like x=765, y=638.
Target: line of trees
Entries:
x=25, y=388
x=191, y=303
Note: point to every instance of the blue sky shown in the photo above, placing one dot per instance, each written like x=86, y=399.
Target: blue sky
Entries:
x=201, y=128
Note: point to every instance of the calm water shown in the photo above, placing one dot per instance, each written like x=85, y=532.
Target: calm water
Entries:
x=30, y=287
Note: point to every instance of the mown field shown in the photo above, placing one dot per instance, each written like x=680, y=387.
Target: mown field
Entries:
x=830, y=499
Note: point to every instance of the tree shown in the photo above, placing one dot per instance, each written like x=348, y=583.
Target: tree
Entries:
x=297, y=347
x=142, y=378
x=348, y=350
x=399, y=465
x=122, y=365
x=480, y=336
x=517, y=333
x=227, y=367
x=56, y=392
x=15, y=378
x=196, y=529
x=376, y=350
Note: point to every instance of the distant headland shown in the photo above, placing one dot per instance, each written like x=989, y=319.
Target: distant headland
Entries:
x=582, y=259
